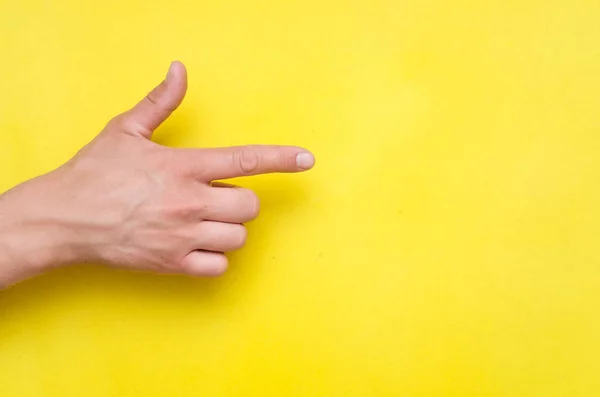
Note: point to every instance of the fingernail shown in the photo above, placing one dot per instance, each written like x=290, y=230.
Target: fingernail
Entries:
x=171, y=71
x=305, y=161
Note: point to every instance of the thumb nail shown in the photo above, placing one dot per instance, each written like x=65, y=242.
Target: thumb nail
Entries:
x=171, y=72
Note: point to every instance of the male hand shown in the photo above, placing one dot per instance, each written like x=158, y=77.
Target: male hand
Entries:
x=126, y=201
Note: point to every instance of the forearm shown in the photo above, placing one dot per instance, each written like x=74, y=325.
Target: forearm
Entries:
x=15, y=264
x=30, y=240
x=17, y=259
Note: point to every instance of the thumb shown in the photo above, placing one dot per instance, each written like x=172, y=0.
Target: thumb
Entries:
x=158, y=105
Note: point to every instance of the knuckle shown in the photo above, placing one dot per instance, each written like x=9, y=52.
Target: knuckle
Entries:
x=171, y=164
x=283, y=161
x=203, y=209
x=125, y=124
x=246, y=159
x=180, y=212
x=158, y=100
x=150, y=97
x=117, y=123
x=183, y=208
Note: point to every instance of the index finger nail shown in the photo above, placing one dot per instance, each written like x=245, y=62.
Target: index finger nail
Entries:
x=305, y=161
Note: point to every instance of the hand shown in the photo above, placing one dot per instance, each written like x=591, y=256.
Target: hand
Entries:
x=126, y=201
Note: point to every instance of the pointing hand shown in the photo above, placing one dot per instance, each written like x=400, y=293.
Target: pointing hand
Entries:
x=126, y=201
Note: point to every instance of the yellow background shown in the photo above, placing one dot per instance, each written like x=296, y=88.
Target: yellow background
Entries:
x=447, y=244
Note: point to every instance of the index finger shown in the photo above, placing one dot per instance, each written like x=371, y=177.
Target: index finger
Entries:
x=236, y=161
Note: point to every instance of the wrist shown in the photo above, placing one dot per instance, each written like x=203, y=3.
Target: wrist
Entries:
x=32, y=239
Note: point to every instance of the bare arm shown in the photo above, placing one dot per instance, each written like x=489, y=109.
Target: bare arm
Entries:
x=126, y=201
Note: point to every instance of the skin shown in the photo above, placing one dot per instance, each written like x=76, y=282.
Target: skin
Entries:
x=128, y=202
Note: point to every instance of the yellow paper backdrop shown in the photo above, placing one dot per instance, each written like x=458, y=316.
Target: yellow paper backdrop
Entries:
x=447, y=244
